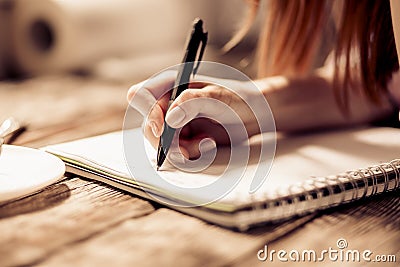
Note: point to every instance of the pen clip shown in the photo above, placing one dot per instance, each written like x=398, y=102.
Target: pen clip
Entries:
x=203, y=47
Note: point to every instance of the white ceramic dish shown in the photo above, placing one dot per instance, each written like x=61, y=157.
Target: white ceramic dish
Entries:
x=24, y=171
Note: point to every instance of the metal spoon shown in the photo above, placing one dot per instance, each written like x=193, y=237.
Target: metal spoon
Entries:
x=8, y=127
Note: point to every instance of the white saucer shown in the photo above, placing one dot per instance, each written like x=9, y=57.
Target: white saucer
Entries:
x=24, y=171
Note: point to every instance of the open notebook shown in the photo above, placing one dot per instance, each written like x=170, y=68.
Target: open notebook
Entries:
x=309, y=172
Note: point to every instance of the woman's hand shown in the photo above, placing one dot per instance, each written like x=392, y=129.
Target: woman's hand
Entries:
x=201, y=111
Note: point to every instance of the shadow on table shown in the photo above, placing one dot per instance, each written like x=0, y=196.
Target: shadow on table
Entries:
x=51, y=196
x=380, y=210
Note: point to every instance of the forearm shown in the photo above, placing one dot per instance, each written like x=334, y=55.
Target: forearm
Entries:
x=308, y=103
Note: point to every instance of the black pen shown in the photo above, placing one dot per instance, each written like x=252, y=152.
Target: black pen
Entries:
x=197, y=37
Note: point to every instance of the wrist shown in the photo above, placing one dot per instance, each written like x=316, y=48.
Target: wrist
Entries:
x=260, y=118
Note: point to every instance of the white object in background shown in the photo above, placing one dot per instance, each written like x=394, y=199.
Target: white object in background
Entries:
x=24, y=171
x=60, y=35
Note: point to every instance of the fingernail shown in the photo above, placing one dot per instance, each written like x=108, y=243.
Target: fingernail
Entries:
x=175, y=116
x=207, y=145
x=154, y=129
x=177, y=157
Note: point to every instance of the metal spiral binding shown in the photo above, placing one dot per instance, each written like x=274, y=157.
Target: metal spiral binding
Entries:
x=390, y=184
x=294, y=200
x=396, y=166
x=376, y=174
x=356, y=177
x=309, y=197
x=298, y=199
x=325, y=181
x=385, y=175
x=370, y=176
x=345, y=180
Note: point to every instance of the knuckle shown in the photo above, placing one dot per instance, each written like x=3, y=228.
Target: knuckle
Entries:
x=167, y=75
x=134, y=89
x=131, y=92
x=189, y=94
x=215, y=92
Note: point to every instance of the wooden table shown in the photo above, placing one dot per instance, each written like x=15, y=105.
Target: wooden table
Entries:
x=78, y=222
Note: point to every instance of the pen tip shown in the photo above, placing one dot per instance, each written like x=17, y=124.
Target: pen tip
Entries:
x=158, y=167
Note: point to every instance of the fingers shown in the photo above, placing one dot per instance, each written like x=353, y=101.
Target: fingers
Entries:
x=210, y=102
x=191, y=149
x=142, y=100
x=188, y=148
x=157, y=85
x=154, y=124
x=177, y=154
x=148, y=133
x=150, y=98
x=155, y=120
x=179, y=114
x=198, y=146
x=144, y=95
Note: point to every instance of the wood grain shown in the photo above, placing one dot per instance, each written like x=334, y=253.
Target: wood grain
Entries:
x=371, y=224
x=69, y=212
x=167, y=238
x=61, y=108
x=83, y=223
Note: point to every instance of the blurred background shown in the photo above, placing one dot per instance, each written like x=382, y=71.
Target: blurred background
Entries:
x=113, y=38
x=66, y=65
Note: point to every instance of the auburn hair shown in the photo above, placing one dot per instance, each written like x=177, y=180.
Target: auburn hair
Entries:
x=364, y=49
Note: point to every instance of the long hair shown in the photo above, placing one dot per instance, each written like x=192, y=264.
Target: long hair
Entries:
x=364, y=47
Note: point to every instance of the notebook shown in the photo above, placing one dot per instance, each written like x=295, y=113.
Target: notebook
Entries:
x=308, y=173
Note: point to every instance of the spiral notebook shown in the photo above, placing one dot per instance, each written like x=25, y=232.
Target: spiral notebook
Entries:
x=309, y=173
